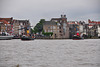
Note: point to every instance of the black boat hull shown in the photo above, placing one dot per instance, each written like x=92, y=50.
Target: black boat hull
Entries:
x=77, y=38
x=27, y=38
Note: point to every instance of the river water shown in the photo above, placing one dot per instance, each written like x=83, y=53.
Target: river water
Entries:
x=50, y=53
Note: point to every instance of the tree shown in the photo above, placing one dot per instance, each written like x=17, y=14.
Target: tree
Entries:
x=39, y=26
x=42, y=21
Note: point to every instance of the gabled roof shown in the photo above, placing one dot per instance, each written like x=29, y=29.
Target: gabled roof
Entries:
x=95, y=22
x=7, y=19
x=49, y=23
x=21, y=20
x=58, y=18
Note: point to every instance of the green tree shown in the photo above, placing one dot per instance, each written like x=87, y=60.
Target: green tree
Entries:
x=39, y=26
x=42, y=21
x=47, y=33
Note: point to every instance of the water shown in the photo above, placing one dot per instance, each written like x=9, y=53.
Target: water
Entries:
x=50, y=53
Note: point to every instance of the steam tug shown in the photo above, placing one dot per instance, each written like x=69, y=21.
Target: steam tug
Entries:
x=24, y=37
x=28, y=36
x=77, y=36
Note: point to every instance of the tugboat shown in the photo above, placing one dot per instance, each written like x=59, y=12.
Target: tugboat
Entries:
x=77, y=37
x=28, y=36
x=24, y=37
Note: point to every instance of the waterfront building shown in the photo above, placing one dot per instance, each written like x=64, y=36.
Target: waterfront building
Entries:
x=21, y=27
x=62, y=26
x=58, y=26
x=51, y=26
x=86, y=30
x=6, y=25
x=94, y=28
x=76, y=27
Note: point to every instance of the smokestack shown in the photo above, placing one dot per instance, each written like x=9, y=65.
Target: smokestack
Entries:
x=64, y=16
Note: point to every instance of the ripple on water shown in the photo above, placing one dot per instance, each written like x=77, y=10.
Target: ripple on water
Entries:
x=50, y=53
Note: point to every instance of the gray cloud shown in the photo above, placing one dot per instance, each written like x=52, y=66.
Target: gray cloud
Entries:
x=38, y=9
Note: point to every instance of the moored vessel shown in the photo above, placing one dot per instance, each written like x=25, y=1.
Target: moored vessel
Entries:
x=6, y=37
x=77, y=37
x=24, y=37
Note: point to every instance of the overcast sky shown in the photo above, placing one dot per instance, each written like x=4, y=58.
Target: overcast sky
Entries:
x=34, y=10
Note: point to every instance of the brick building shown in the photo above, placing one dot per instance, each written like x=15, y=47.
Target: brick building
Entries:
x=58, y=26
x=63, y=26
x=76, y=27
x=20, y=27
x=6, y=25
x=51, y=26
x=94, y=28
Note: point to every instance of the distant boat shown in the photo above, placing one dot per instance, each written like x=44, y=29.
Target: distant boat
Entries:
x=9, y=37
x=24, y=37
x=77, y=36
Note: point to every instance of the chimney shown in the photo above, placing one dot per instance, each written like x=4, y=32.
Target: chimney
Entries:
x=61, y=16
x=64, y=16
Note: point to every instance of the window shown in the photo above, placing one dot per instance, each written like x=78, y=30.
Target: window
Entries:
x=60, y=31
x=59, y=27
x=51, y=31
x=51, y=27
x=21, y=24
x=54, y=30
x=54, y=27
x=48, y=27
x=60, y=34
